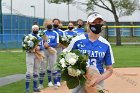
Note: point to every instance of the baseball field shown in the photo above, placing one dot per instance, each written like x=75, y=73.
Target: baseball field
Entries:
x=126, y=77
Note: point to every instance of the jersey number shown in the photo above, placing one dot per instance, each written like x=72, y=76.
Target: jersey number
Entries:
x=91, y=62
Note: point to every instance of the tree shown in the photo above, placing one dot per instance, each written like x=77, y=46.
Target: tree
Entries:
x=117, y=7
x=1, y=30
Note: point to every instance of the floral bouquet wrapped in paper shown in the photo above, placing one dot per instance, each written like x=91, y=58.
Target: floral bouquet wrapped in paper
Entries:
x=51, y=50
x=92, y=75
x=65, y=40
x=73, y=67
x=29, y=43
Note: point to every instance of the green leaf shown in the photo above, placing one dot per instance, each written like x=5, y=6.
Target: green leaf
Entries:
x=82, y=80
x=64, y=74
x=72, y=82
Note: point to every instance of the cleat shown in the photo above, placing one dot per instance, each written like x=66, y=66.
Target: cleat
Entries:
x=50, y=84
x=36, y=90
x=40, y=86
x=58, y=84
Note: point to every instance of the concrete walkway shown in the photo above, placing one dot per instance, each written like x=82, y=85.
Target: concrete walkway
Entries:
x=11, y=79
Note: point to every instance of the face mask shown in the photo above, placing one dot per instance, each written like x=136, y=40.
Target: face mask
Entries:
x=79, y=26
x=49, y=27
x=70, y=28
x=55, y=26
x=35, y=32
x=96, y=29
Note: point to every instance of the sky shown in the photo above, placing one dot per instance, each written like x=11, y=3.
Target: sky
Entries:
x=23, y=7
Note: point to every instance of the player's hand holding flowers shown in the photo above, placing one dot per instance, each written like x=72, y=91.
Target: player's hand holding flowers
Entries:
x=51, y=50
x=93, y=78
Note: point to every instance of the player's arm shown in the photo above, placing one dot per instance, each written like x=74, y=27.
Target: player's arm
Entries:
x=109, y=60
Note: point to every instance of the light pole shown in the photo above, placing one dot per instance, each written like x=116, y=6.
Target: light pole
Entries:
x=11, y=15
x=44, y=9
x=68, y=11
x=34, y=10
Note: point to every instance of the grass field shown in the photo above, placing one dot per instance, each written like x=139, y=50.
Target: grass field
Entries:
x=126, y=56
x=13, y=63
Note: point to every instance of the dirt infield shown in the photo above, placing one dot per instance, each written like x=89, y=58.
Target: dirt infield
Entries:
x=123, y=80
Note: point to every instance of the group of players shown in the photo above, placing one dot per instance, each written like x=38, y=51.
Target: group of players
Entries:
x=47, y=65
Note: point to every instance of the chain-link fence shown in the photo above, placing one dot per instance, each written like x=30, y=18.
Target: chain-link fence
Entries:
x=10, y=41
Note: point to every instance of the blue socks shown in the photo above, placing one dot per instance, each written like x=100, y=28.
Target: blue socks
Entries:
x=58, y=75
x=41, y=78
x=55, y=77
x=49, y=75
x=28, y=79
x=35, y=79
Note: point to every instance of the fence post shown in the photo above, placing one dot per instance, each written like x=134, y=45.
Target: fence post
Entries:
x=131, y=29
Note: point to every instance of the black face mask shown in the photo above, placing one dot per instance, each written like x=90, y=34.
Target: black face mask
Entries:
x=70, y=28
x=96, y=29
x=55, y=26
x=79, y=26
x=49, y=27
x=35, y=32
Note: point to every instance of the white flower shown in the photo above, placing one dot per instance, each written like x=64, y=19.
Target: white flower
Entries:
x=63, y=65
x=73, y=72
x=78, y=72
x=68, y=56
x=26, y=38
x=64, y=39
x=72, y=61
x=30, y=43
x=32, y=38
x=24, y=45
x=62, y=60
x=30, y=35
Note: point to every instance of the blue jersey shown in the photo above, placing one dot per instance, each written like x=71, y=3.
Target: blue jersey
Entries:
x=59, y=31
x=99, y=51
x=70, y=33
x=41, y=44
x=53, y=37
x=79, y=31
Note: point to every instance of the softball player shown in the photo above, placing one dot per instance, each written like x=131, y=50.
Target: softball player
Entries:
x=70, y=33
x=98, y=49
x=79, y=30
x=53, y=40
x=56, y=23
x=32, y=63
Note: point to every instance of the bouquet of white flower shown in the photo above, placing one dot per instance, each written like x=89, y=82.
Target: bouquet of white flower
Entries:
x=65, y=40
x=29, y=42
x=73, y=67
x=42, y=34
x=51, y=50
